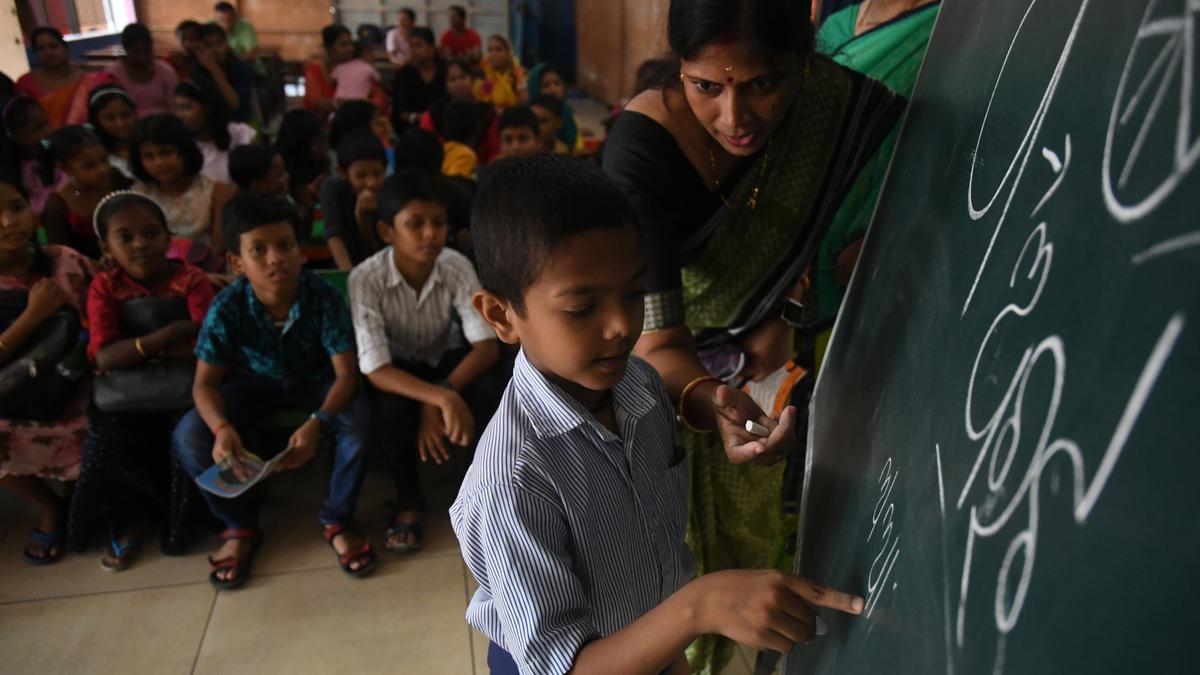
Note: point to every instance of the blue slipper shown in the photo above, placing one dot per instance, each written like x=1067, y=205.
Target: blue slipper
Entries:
x=48, y=541
x=120, y=556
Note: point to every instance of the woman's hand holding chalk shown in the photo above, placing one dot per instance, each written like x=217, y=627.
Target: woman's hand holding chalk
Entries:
x=757, y=429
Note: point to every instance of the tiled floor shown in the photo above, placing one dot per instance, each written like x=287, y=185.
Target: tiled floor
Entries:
x=297, y=614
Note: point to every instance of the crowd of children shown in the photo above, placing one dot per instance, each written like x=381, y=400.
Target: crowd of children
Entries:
x=153, y=267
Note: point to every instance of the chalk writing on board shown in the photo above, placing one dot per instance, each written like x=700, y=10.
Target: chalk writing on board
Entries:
x=883, y=521
x=1005, y=504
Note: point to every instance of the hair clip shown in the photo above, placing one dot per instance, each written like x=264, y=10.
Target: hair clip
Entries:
x=110, y=89
x=123, y=193
x=45, y=143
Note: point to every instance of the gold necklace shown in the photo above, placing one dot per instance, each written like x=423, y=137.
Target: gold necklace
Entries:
x=752, y=201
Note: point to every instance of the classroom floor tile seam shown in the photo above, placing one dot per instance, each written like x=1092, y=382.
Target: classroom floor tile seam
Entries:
x=204, y=633
x=90, y=594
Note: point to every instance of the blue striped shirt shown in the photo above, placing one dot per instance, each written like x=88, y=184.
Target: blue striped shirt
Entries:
x=571, y=531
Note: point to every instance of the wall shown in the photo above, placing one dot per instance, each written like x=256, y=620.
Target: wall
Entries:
x=293, y=25
x=615, y=36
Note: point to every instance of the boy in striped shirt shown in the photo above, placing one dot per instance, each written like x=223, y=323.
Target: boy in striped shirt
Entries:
x=573, y=514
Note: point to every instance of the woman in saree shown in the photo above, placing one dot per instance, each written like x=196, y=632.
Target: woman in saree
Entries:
x=735, y=168
x=884, y=40
x=61, y=88
x=503, y=81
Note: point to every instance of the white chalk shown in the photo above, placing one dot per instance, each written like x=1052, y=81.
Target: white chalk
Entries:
x=757, y=429
x=821, y=628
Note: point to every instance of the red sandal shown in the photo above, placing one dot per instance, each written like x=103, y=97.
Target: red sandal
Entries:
x=361, y=554
x=240, y=565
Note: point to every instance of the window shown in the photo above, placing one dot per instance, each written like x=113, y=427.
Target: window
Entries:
x=79, y=19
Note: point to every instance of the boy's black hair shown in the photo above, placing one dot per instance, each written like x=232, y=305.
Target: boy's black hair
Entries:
x=247, y=211
x=224, y=7
x=458, y=9
x=423, y=34
x=548, y=102
x=213, y=29
x=409, y=12
x=127, y=200
x=101, y=97
x=331, y=33
x=187, y=25
x=526, y=206
x=519, y=116
x=164, y=129
x=250, y=163
x=216, y=110
x=419, y=149
x=136, y=34
x=360, y=145
x=296, y=133
x=348, y=117
x=460, y=122
x=407, y=186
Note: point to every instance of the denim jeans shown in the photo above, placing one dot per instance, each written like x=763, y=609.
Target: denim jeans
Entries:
x=397, y=419
x=249, y=400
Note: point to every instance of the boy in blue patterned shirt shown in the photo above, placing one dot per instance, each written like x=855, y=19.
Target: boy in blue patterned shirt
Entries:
x=278, y=338
x=573, y=513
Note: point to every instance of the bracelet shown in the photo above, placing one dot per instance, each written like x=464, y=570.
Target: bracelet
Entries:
x=137, y=344
x=683, y=396
x=222, y=425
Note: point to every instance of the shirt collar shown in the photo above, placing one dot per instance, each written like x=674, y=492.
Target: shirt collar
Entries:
x=394, y=278
x=552, y=412
x=260, y=312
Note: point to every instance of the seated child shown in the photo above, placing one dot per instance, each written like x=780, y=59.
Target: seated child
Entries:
x=545, y=78
x=519, y=132
x=26, y=127
x=573, y=513
x=349, y=198
x=127, y=469
x=206, y=115
x=303, y=144
x=67, y=216
x=460, y=126
x=430, y=388
x=113, y=117
x=167, y=163
x=549, y=111
x=278, y=338
x=37, y=452
x=355, y=79
x=259, y=168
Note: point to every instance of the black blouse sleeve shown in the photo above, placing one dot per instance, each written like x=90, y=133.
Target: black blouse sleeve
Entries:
x=667, y=194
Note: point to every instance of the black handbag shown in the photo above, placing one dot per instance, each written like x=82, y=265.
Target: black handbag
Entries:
x=44, y=375
x=154, y=386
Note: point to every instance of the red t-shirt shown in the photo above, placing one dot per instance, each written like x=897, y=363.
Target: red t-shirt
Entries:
x=459, y=45
x=113, y=286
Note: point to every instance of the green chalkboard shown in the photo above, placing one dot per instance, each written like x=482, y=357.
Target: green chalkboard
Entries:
x=1006, y=431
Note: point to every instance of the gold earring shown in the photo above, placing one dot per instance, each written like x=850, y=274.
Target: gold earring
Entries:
x=681, y=77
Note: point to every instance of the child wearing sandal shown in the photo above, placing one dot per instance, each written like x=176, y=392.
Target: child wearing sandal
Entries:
x=431, y=389
x=572, y=516
x=126, y=473
x=54, y=278
x=277, y=338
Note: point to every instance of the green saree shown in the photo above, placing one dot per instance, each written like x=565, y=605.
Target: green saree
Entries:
x=838, y=120
x=891, y=54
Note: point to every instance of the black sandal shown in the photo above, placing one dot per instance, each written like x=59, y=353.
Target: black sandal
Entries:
x=361, y=554
x=240, y=565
